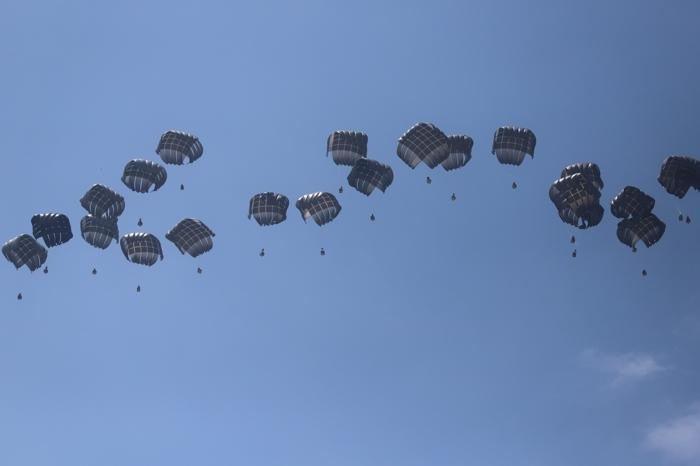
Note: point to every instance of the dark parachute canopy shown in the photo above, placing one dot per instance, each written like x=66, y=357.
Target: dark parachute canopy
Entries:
x=346, y=147
x=423, y=142
x=54, y=228
x=511, y=144
x=192, y=237
x=140, y=175
x=177, y=148
x=322, y=207
x=99, y=231
x=141, y=248
x=577, y=200
x=25, y=250
x=588, y=169
x=369, y=174
x=648, y=229
x=678, y=174
x=100, y=201
x=631, y=202
x=460, y=152
x=268, y=208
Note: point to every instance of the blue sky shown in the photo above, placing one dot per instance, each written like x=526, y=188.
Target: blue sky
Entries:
x=443, y=333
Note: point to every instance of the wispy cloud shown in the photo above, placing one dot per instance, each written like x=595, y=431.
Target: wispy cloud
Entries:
x=624, y=367
x=678, y=438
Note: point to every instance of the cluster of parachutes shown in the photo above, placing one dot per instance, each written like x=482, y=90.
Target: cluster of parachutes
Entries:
x=104, y=206
x=423, y=142
x=576, y=194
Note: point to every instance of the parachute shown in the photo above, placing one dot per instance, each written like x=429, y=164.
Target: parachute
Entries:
x=322, y=207
x=369, y=174
x=25, y=250
x=648, y=229
x=678, y=174
x=510, y=144
x=141, y=175
x=346, y=147
x=268, y=208
x=100, y=201
x=423, y=142
x=632, y=202
x=53, y=228
x=177, y=148
x=590, y=170
x=192, y=237
x=98, y=231
x=460, y=152
x=577, y=200
x=141, y=248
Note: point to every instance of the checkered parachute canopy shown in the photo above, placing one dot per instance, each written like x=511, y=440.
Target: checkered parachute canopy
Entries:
x=25, y=250
x=588, y=169
x=142, y=175
x=322, y=207
x=178, y=148
x=53, y=228
x=100, y=201
x=632, y=203
x=141, y=248
x=423, y=142
x=369, y=174
x=577, y=200
x=192, y=237
x=678, y=174
x=268, y=208
x=511, y=144
x=460, y=152
x=648, y=229
x=346, y=147
x=99, y=231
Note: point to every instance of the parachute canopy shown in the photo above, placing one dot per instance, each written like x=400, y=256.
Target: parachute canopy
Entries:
x=54, y=228
x=25, y=250
x=100, y=201
x=98, y=231
x=346, y=147
x=588, y=169
x=177, y=148
x=322, y=207
x=631, y=202
x=680, y=173
x=510, y=144
x=141, y=248
x=648, y=229
x=577, y=200
x=268, y=208
x=141, y=175
x=460, y=152
x=423, y=142
x=192, y=237
x=369, y=174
